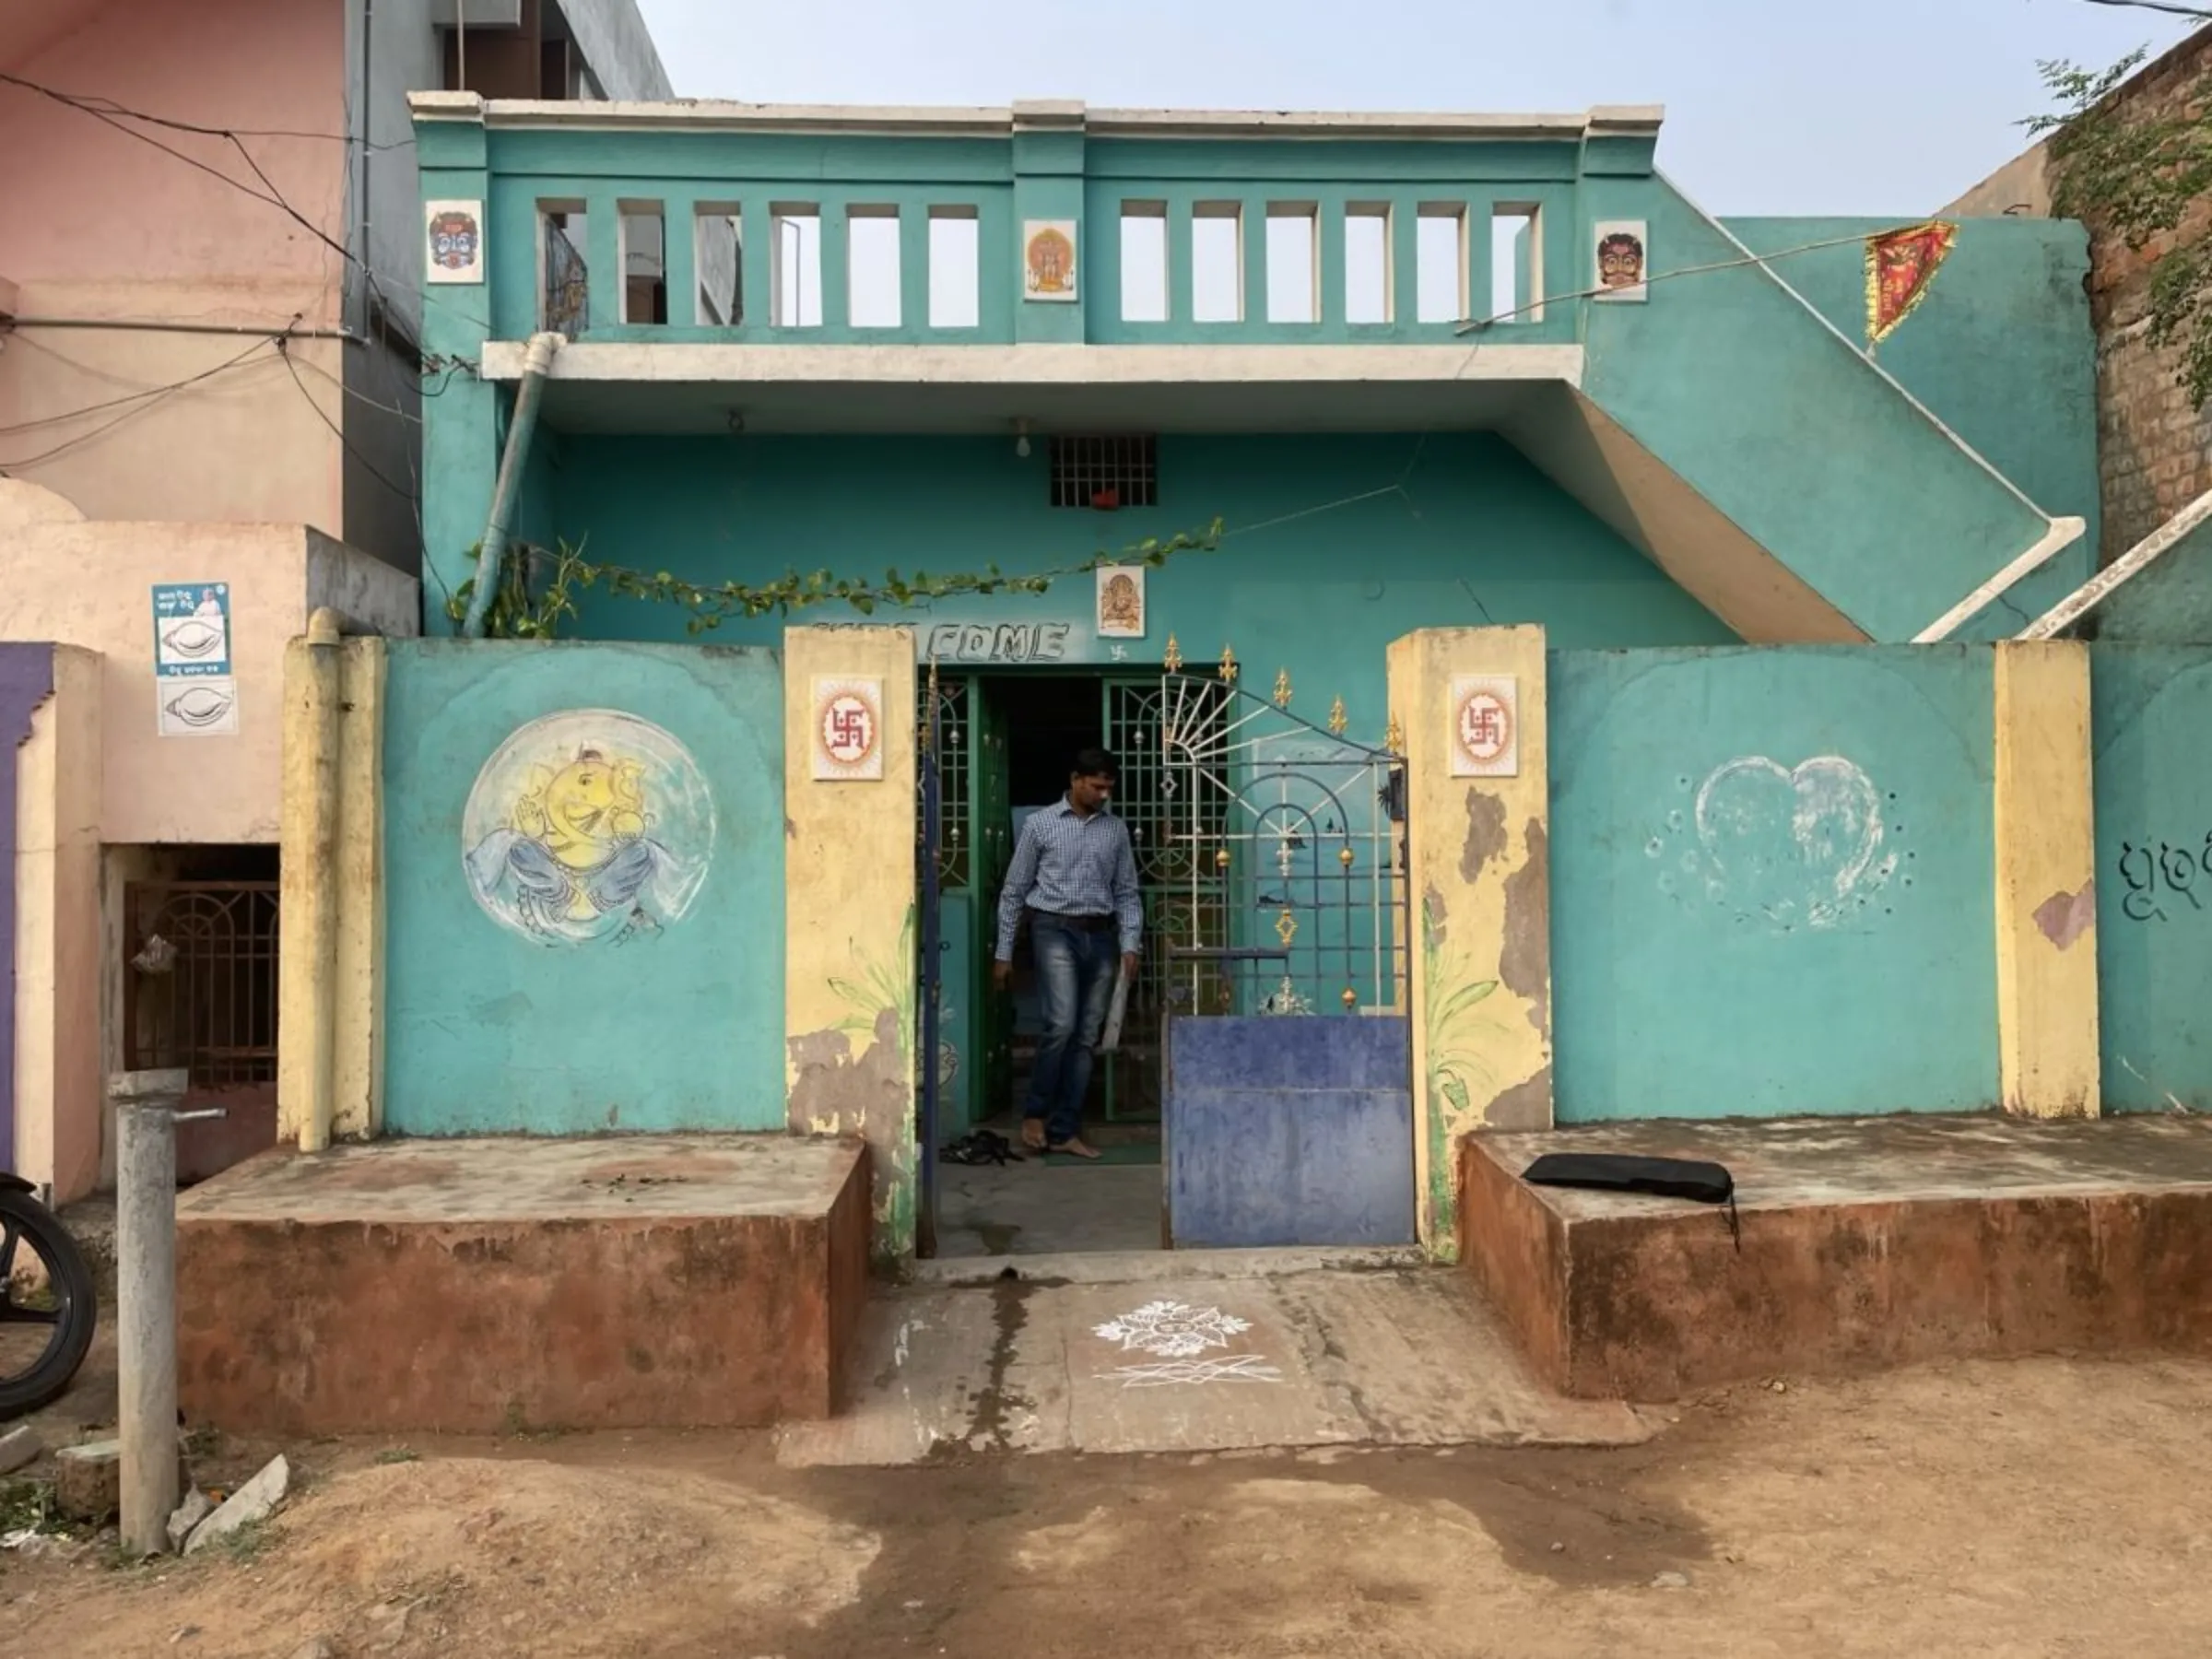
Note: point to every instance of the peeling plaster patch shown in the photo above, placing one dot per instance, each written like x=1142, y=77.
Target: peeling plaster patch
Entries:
x=791, y=827
x=835, y=1092
x=1486, y=834
x=2065, y=917
x=1524, y=957
x=1525, y=1106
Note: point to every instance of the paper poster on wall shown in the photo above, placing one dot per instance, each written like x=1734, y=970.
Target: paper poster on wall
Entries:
x=848, y=730
x=1048, y=260
x=1486, y=726
x=195, y=693
x=454, y=242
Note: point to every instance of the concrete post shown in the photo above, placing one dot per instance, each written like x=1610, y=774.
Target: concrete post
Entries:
x=320, y=887
x=145, y=1294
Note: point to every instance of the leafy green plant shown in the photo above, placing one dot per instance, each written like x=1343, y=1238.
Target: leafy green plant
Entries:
x=2139, y=172
x=539, y=588
x=27, y=1506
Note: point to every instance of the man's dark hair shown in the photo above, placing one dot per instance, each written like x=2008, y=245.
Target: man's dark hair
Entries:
x=1094, y=763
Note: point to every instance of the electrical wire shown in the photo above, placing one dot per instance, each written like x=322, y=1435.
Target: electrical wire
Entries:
x=109, y=112
x=137, y=404
x=413, y=496
x=134, y=398
x=362, y=397
x=338, y=432
x=92, y=102
x=1475, y=324
x=274, y=200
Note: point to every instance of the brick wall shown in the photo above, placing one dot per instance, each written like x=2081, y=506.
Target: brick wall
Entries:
x=2154, y=447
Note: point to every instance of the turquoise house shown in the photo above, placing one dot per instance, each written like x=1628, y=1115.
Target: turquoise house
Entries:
x=1395, y=373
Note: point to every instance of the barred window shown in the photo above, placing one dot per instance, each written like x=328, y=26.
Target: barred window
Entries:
x=1105, y=472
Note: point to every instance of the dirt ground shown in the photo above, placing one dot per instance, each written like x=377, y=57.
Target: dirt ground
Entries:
x=2049, y=1507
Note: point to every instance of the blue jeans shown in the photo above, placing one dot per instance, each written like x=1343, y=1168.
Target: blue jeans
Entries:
x=1075, y=972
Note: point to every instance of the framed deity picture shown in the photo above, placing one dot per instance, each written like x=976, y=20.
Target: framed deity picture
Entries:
x=1048, y=260
x=1121, y=602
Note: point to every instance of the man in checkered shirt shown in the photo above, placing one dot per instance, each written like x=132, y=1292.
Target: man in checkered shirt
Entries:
x=1074, y=877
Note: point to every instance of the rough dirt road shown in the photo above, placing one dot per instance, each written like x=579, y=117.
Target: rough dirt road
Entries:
x=2052, y=1507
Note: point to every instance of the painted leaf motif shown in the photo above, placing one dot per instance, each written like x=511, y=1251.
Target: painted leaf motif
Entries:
x=1455, y=1091
x=1466, y=997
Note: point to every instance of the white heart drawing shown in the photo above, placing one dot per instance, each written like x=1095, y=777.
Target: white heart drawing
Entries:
x=1791, y=844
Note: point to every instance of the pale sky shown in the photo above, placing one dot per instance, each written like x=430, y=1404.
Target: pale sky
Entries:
x=1874, y=106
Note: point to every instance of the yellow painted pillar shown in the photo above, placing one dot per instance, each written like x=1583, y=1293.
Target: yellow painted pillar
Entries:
x=849, y=1010
x=358, y=1022
x=330, y=945
x=2046, y=860
x=1468, y=703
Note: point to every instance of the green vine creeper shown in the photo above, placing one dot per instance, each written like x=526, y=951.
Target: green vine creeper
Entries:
x=528, y=608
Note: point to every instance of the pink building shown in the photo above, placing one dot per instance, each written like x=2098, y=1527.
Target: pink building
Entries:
x=210, y=395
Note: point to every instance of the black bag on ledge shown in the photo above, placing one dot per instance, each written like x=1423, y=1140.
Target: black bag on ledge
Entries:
x=1660, y=1177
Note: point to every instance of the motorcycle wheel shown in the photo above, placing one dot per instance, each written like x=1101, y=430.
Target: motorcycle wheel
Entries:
x=33, y=1374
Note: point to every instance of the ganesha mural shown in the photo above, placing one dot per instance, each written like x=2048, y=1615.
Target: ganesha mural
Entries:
x=585, y=826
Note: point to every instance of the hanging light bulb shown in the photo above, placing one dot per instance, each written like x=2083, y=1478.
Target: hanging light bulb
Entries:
x=1021, y=439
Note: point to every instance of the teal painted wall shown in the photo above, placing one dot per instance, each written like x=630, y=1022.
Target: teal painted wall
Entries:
x=2001, y=351
x=1732, y=380
x=2152, y=710
x=1304, y=581
x=2169, y=603
x=1737, y=932
x=489, y=1031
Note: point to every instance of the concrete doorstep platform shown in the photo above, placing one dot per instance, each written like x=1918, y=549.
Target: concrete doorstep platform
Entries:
x=1180, y=1352
x=626, y=1282
x=1864, y=1242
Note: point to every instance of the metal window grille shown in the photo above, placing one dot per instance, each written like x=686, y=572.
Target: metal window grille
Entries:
x=200, y=979
x=567, y=297
x=1105, y=472
x=953, y=841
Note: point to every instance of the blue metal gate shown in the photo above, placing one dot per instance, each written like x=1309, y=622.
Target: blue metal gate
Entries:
x=1287, y=1063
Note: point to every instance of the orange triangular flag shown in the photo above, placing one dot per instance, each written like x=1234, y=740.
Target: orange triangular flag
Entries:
x=1900, y=265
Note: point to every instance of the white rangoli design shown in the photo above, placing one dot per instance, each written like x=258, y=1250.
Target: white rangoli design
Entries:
x=1173, y=1330
x=1179, y=1335
x=1230, y=1368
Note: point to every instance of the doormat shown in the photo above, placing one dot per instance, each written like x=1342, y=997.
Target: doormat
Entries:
x=1142, y=1152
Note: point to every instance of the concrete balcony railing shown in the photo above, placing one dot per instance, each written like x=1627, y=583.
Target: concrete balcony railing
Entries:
x=740, y=224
